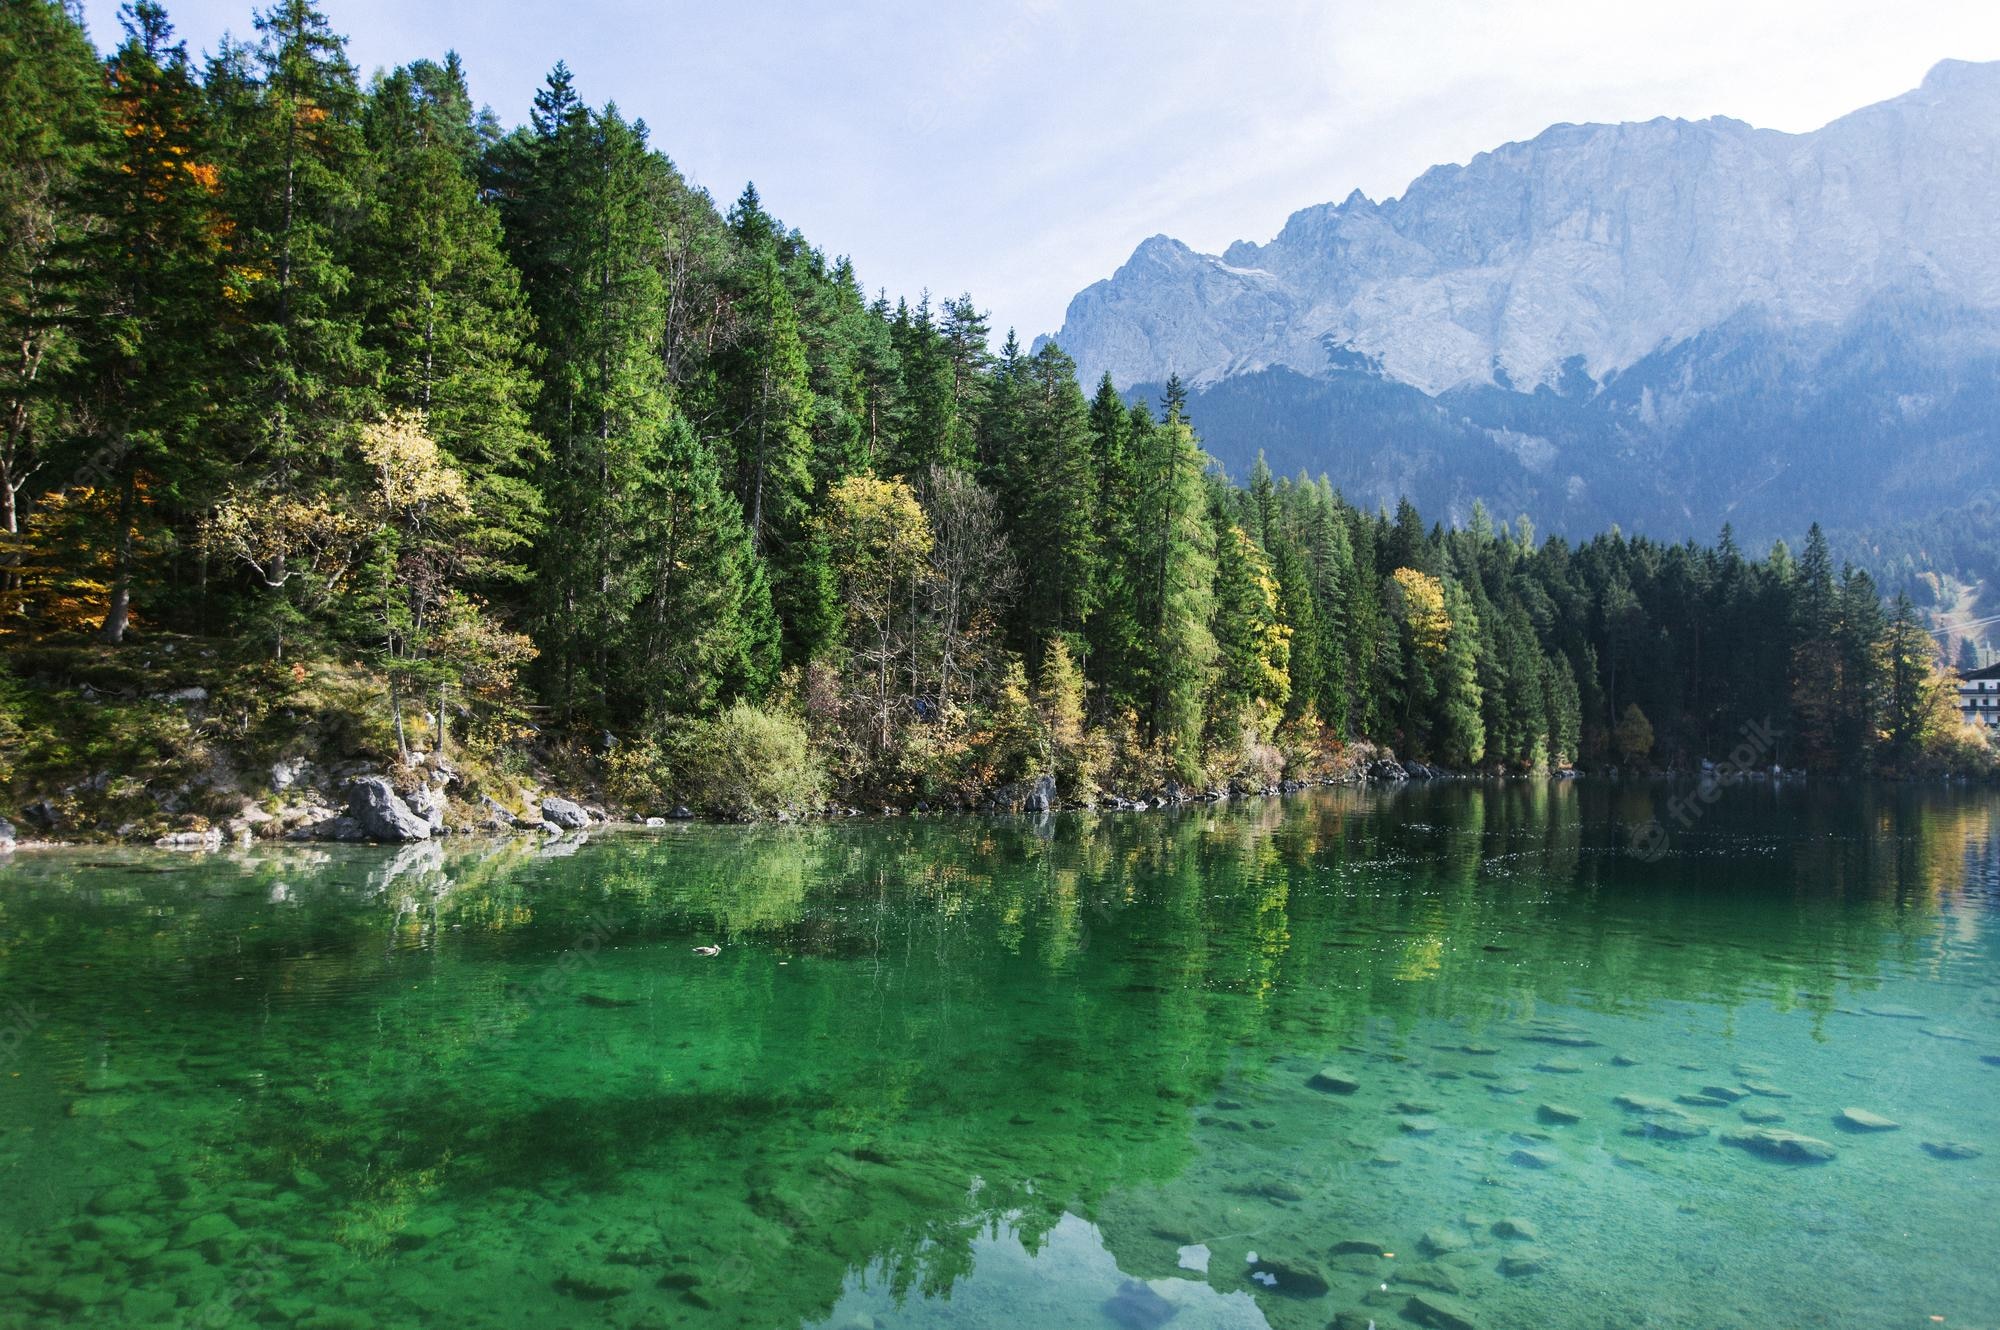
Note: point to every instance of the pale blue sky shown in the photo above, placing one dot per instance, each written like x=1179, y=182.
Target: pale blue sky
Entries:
x=1020, y=150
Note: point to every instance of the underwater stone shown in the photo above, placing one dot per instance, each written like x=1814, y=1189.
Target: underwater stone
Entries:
x=1438, y=1241
x=1525, y=1261
x=1425, y=1274
x=1560, y=1067
x=1420, y=1126
x=1860, y=1119
x=1766, y=1089
x=1762, y=1116
x=1561, y=1114
x=1531, y=1158
x=1439, y=1312
x=211, y=1229
x=1727, y=1092
x=596, y=1283
x=1624, y=1060
x=1357, y=1247
x=1330, y=1080
x=1784, y=1146
x=1952, y=1150
x=1640, y=1103
x=1292, y=1276
x=1673, y=1125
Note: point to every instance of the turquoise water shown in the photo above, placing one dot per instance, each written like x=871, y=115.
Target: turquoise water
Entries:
x=1340, y=1058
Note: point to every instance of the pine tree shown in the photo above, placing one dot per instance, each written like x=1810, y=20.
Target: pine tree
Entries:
x=50, y=128
x=703, y=630
x=301, y=382
x=443, y=307
x=1052, y=489
x=147, y=293
x=1461, y=732
x=578, y=189
x=1253, y=643
x=1174, y=544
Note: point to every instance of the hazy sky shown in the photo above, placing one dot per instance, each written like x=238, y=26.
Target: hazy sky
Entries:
x=1020, y=150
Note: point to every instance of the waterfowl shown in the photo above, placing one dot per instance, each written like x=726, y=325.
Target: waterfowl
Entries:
x=708, y=951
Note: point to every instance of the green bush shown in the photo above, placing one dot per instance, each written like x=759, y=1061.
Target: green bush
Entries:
x=748, y=761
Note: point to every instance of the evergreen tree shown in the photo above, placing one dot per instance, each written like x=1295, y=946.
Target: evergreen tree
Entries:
x=50, y=128
x=1253, y=643
x=147, y=288
x=443, y=307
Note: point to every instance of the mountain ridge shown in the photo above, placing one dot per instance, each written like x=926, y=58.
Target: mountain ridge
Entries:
x=1591, y=254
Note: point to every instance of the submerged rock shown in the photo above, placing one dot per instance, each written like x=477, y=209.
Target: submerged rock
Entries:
x=1420, y=1126
x=1559, y=1114
x=1426, y=1274
x=1523, y=1262
x=1784, y=1146
x=1357, y=1247
x=1762, y=1116
x=1952, y=1150
x=1529, y=1157
x=1670, y=1125
x=1522, y=1230
x=1624, y=1060
x=1766, y=1089
x=1329, y=1080
x=1439, y=1312
x=1293, y=1276
x=597, y=1283
x=1438, y=1241
x=1641, y=1103
x=1560, y=1066
x=1860, y=1119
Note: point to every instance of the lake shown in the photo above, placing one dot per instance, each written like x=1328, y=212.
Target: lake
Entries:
x=1448, y=1056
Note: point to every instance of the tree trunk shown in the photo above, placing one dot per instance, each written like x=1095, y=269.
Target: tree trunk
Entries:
x=119, y=614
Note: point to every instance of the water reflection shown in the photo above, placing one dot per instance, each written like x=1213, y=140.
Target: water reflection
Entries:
x=1016, y=1066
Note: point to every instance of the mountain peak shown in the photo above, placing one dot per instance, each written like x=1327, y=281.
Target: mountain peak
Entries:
x=1957, y=75
x=1589, y=244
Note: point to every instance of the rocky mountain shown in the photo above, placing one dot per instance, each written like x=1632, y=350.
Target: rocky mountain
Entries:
x=1667, y=325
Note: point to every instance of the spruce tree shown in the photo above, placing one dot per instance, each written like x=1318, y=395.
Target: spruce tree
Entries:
x=443, y=307
x=148, y=289
x=50, y=128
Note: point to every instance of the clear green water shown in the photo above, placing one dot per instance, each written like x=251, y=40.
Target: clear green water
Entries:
x=992, y=1073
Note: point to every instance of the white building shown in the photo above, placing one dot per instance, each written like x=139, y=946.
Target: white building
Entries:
x=1979, y=697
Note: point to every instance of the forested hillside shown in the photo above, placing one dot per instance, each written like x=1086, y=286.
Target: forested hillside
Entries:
x=401, y=433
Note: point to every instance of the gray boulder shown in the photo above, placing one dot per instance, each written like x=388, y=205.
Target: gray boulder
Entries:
x=289, y=771
x=1041, y=796
x=428, y=804
x=6, y=834
x=562, y=813
x=380, y=814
